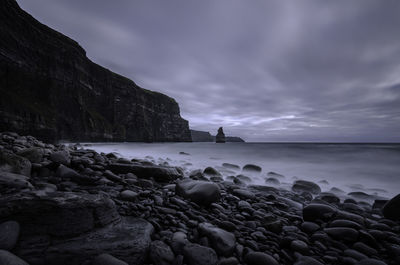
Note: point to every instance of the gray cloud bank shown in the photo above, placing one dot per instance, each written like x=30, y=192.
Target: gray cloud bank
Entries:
x=265, y=70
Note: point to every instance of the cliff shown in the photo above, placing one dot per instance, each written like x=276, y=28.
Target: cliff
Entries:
x=51, y=90
x=201, y=136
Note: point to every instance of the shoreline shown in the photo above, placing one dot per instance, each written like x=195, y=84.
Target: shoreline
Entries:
x=55, y=198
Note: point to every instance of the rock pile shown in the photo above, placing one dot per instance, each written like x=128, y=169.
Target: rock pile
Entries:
x=68, y=205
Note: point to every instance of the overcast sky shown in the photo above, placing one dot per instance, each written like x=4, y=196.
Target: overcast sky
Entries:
x=264, y=70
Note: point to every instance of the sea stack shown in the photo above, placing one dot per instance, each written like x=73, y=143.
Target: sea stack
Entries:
x=220, y=138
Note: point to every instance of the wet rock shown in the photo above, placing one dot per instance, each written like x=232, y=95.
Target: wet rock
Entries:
x=64, y=172
x=9, y=232
x=306, y=186
x=222, y=241
x=200, y=192
x=391, y=209
x=58, y=214
x=33, y=154
x=370, y=262
x=107, y=259
x=244, y=178
x=231, y=166
x=299, y=246
x=128, y=195
x=61, y=157
x=10, y=181
x=251, y=167
x=259, y=258
x=313, y=212
x=158, y=173
x=275, y=175
x=309, y=227
x=272, y=181
x=344, y=223
x=211, y=171
x=10, y=162
x=178, y=242
x=7, y=258
x=304, y=260
x=344, y=233
x=228, y=261
x=161, y=253
x=195, y=254
x=360, y=195
x=244, y=194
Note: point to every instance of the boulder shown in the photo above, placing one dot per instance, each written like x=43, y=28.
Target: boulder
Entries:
x=200, y=192
x=251, y=167
x=161, y=253
x=10, y=162
x=195, y=254
x=222, y=241
x=10, y=181
x=316, y=211
x=64, y=172
x=107, y=259
x=244, y=194
x=306, y=186
x=158, y=173
x=391, y=209
x=344, y=233
x=128, y=195
x=7, y=258
x=33, y=154
x=259, y=258
x=211, y=171
x=9, y=232
x=61, y=157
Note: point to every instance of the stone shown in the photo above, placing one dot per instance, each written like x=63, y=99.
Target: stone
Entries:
x=251, y=167
x=231, y=166
x=59, y=213
x=10, y=162
x=128, y=240
x=65, y=172
x=128, y=195
x=223, y=242
x=344, y=223
x=309, y=227
x=306, y=186
x=7, y=258
x=316, y=211
x=259, y=258
x=304, y=260
x=9, y=232
x=299, y=246
x=344, y=233
x=161, y=253
x=61, y=157
x=13, y=181
x=195, y=254
x=107, y=259
x=220, y=137
x=158, y=173
x=211, y=171
x=370, y=262
x=391, y=209
x=244, y=194
x=272, y=181
x=200, y=192
x=33, y=154
x=178, y=242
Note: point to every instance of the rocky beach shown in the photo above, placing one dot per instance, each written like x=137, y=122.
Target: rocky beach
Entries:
x=67, y=204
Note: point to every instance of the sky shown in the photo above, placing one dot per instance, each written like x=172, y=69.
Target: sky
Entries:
x=265, y=70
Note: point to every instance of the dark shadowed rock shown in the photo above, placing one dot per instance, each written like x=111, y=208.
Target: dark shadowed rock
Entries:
x=195, y=254
x=61, y=157
x=211, y=171
x=7, y=258
x=161, y=253
x=107, y=259
x=315, y=211
x=272, y=181
x=128, y=195
x=251, y=167
x=158, y=173
x=9, y=181
x=259, y=258
x=343, y=233
x=306, y=186
x=231, y=166
x=220, y=137
x=10, y=162
x=222, y=241
x=9, y=232
x=200, y=192
x=244, y=194
x=370, y=262
x=391, y=209
x=178, y=242
x=304, y=260
x=33, y=154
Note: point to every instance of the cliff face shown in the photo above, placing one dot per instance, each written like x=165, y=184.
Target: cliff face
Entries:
x=51, y=90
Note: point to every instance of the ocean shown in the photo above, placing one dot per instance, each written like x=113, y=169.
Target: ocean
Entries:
x=371, y=168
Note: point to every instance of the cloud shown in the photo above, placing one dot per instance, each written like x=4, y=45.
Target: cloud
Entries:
x=265, y=70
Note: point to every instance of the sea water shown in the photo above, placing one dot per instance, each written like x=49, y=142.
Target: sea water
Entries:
x=370, y=168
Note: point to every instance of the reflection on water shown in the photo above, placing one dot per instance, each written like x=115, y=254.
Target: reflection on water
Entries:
x=373, y=168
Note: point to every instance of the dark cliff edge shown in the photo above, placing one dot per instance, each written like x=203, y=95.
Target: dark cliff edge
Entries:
x=51, y=90
x=202, y=136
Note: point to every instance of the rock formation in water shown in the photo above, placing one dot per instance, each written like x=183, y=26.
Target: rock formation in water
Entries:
x=201, y=136
x=51, y=90
x=220, y=137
